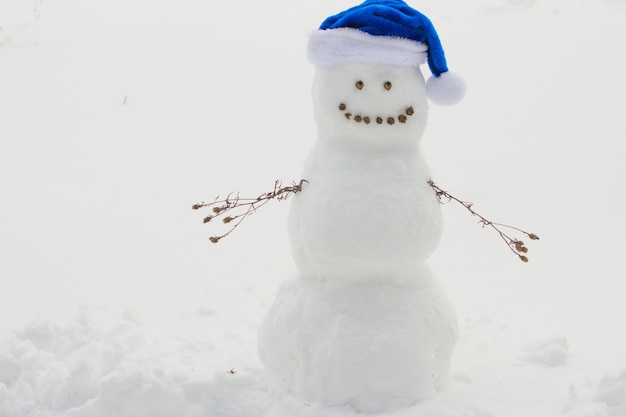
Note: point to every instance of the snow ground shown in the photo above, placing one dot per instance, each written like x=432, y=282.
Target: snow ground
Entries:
x=116, y=116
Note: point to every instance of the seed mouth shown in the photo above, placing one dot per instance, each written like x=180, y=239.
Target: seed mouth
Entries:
x=390, y=120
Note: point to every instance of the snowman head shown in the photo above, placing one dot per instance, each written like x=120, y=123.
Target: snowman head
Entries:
x=389, y=33
x=364, y=99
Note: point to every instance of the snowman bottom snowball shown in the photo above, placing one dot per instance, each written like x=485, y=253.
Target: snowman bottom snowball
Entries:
x=373, y=346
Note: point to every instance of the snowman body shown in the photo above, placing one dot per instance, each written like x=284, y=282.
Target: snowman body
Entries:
x=364, y=321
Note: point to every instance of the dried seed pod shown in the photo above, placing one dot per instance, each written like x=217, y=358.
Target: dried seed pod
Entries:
x=402, y=118
x=217, y=209
x=357, y=118
x=410, y=111
x=207, y=219
x=227, y=220
x=342, y=107
x=391, y=120
x=348, y=115
x=214, y=239
x=387, y=85
x=379, y=120
x=523, y=258
x=533, y=236
x=366, y=120
x=359, y=85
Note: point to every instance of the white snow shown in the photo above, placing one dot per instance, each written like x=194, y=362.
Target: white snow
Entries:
x=116, y=116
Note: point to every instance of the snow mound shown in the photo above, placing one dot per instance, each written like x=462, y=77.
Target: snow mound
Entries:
x=611, y=392
x=549, y=352
x=607, y=399
x=84, y=369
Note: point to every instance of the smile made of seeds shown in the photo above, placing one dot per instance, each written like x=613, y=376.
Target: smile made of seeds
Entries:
x=402, y=118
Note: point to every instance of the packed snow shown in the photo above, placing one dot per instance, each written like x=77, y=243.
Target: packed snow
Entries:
x=115, y=117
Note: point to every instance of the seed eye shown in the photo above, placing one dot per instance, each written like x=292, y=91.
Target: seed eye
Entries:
x=359, y=85
x=387, y=85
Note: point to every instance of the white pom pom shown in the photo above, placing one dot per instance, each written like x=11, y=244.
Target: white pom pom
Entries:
x=447, y=89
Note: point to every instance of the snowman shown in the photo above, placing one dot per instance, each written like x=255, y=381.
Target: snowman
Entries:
x=364, y=322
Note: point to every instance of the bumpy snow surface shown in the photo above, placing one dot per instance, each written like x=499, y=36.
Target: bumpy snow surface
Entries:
x=117, y=116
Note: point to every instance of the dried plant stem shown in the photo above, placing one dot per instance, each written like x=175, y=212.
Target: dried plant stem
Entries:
x=515, y=245
x=240, y=208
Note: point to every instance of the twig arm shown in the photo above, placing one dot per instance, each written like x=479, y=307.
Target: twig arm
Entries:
x=515, y=245
x=241, y=208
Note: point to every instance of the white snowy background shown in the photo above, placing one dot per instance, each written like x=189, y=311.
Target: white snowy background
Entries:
x=116, y=116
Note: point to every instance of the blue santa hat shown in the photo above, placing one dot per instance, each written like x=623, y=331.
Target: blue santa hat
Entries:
x=390, y=32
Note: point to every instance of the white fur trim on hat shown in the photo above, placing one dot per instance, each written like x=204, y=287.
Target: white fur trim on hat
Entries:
x=335, y=46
